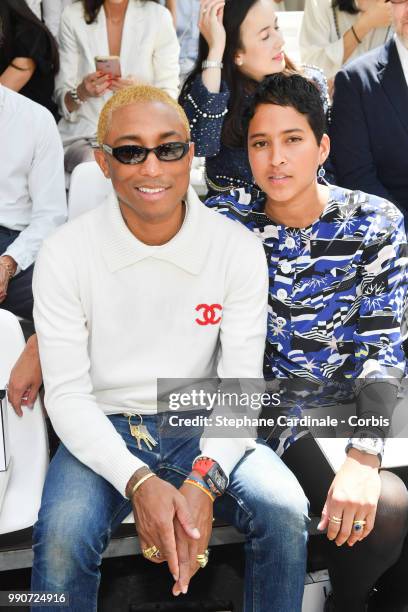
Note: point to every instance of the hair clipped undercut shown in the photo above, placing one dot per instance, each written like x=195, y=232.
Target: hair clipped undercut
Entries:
x=291, y=90
x=133, y=95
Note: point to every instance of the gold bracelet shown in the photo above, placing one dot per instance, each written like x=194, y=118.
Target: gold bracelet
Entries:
x=199, y=486
x=140, y=482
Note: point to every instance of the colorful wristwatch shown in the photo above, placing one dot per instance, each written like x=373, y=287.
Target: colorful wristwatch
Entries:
x=212, y=474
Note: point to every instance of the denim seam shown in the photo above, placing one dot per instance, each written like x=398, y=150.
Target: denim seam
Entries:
x=241, y=504
x=118, y=511
x=252, y=543
x=166, y=466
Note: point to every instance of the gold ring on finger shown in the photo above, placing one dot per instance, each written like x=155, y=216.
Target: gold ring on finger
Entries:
x=336, y=520
x=151, y=552
x=358, y=525
x=202, y=560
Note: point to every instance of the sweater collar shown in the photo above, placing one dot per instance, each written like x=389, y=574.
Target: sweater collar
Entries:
x=186, y=250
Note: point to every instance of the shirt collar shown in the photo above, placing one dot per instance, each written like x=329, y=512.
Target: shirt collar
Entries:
x=249, y=199
x=403, y=55
x=187, y=249
x=2, y=96
x=253, y=201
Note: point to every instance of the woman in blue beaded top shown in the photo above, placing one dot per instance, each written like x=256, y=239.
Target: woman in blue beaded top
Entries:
x=240, y=43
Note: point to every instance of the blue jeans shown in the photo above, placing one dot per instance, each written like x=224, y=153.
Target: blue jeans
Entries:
x=80, y=510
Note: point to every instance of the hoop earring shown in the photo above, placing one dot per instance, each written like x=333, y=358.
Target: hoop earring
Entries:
x=320, y=176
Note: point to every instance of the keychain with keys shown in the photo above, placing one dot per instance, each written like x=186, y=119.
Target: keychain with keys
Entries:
x=141, y=433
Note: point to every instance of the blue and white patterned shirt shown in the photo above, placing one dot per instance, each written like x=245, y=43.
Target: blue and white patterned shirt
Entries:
x=337, y=288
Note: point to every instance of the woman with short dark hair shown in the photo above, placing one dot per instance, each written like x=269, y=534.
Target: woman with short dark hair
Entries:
x=28, y=54
x=337, y=292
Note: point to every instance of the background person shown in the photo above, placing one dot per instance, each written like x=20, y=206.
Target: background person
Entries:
x=327, y=248
x=28, y=54
x=171, y=5
x=140, y=32
x=240, y=43
x=367, y=153
x=188, y=14
x=32, y=194
x=333, y=33
x=52, y=12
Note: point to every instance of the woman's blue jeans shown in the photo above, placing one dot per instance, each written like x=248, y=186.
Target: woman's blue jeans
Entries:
x=80, y=510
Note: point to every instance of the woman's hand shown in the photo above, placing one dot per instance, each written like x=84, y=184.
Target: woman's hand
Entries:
x=7, y=266
x=121, y=83
x=353, y=496
x=94, y=85
x=4, y=281
x=376, y=15
x=25, y=378
x=212, y=28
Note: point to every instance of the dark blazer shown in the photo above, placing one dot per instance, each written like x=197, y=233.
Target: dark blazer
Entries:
x=369, y=128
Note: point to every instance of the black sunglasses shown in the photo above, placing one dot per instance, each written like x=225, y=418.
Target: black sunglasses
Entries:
x=134, y=154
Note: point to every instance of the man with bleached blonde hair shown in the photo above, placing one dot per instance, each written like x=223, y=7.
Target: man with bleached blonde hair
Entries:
x=150, y=285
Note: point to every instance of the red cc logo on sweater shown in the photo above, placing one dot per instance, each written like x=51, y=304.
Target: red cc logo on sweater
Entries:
x=209, y=316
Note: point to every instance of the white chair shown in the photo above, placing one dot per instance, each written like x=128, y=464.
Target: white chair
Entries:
x=197, y=176
x=88, y=188
x=28, y=441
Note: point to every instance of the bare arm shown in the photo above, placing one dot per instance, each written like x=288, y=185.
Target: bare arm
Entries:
x=350, y=42
x=18, y=73
x=211, y=27
x=25, y=378
x=378, y=15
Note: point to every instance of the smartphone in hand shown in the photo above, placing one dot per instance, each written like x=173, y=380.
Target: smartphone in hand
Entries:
x=109, y=64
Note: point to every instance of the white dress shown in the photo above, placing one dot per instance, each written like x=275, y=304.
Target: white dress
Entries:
x=320, y=44
x=149, y=52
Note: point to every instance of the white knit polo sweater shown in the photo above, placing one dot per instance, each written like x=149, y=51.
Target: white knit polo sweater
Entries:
x=114, y=314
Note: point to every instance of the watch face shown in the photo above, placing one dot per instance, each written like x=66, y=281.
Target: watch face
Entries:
x=218, y=478
x=368, y=444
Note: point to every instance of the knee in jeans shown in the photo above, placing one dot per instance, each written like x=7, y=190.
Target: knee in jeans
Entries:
x=285, y=511
x=63, y=548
